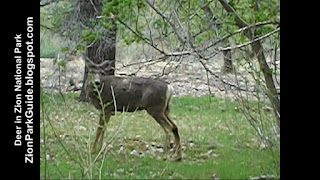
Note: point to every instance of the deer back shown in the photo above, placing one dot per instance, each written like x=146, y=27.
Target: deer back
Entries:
x=131, y=93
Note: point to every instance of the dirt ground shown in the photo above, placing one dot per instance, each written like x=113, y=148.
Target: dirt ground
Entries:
x=188, y=76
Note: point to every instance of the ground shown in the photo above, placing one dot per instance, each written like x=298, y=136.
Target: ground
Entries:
x=187, y=77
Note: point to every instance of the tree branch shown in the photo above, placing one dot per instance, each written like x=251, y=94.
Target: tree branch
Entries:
x=140, y=36
x=152, y=44
x=46, y=27
x=240, y=22
x=250, y=42
x=199, y=9
x=166, y=19
x=237, y=32
x=220, y=79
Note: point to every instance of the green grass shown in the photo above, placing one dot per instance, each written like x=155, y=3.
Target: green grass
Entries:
x=217, y=140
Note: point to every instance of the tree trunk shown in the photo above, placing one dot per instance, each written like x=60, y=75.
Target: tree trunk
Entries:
x=227, y=62
x=103, y=49
x=227, y=58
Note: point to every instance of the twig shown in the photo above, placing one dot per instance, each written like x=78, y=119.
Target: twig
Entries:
x=103, y=149
x=43, y=108
x=152, y=44
x=250, y=42
x=164, y=169
x=200, y=8
x=230, y=9
x=166, y=19
x=162, y=58
x=219, y=78
x=140, y=36
x=94, y=7
x=173, y=69
x=208, y=83
x=60, y=142
x=237, y=32
x=46, y=27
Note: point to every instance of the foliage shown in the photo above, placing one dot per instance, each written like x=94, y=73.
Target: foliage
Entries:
x=51, y=19
x=177, y=27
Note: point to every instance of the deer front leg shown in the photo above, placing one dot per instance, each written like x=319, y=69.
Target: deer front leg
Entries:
x=100, y=131
x=98, y=134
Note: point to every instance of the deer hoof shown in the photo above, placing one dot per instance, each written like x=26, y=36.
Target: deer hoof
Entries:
x=178, y=159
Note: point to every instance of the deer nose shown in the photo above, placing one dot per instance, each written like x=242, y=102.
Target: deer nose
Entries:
x=97, y=83
x=96, y=80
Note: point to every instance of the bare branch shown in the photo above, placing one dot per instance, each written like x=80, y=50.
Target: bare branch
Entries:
x=199, y=9
x=166, y=19
x=230, y=9
x=151, y=44
x=46, y=27
x=250, y=42
x=140, y=36
x=162, y=58
x=239, y=31
x=219, y=78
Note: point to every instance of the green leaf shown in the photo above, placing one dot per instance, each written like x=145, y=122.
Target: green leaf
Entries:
x=62, y=63
x=64, y=49
x=80, y=47
x=89, y=35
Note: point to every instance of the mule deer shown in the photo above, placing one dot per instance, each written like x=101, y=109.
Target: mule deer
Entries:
x=130, y=94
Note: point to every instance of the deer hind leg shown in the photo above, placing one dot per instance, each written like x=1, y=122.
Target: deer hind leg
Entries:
x=161, y=116
x=174, y=130
x=157, y=114
x=100, y=132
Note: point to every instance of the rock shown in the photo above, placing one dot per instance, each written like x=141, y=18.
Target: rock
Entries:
x=121, y=170
x=160, y=150
x=212, y=145
x=48, y=157
x=134, y=152
x=263, y=177
x=191, y=145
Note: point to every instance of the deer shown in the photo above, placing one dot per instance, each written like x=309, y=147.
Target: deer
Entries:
x=130, y=94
